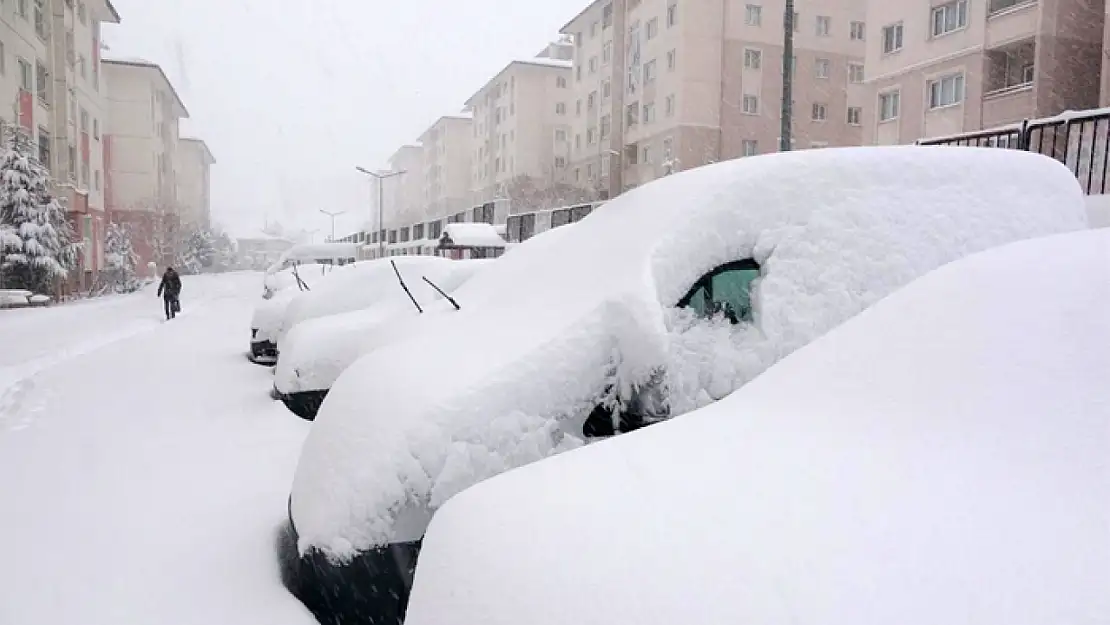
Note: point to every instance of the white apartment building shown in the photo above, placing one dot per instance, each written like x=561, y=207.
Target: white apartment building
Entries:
x=142, y=136
x=404, y=193
x=194, y=182
x=952, y=66
x=520, y=143
x=446, y=167
x=50, y=78
x=665, y=85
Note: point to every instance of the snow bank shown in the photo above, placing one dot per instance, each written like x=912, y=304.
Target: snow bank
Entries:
x=939, y=459
x=361, y=285
x=1098, y=211
x=563, y=318
x=472, y=235
x=315, y=352
x=309, y=273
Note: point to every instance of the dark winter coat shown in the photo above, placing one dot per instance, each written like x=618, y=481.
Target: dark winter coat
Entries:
x=170, y=287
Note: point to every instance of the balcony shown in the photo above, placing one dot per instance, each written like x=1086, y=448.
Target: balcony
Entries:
x=1008, y=83
x=1009, y=20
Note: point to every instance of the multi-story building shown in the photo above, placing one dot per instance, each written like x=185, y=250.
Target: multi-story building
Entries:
x=520, y=130
x=141, y=155
x=663, y=85
x=944, y=67
x=446, y=166
x=194, y=183
x=50, y=76
x=404, y=193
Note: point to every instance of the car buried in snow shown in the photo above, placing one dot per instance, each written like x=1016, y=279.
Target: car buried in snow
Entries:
x=279, y=287
x=664, y=300
x=939, y=458
x=316, y=350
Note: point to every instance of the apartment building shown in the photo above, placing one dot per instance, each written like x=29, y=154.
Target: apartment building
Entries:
x=446, y=167
x=50, y=76
x=664, y=85
x=404, y=194
x=194, y=182
x=520, y=132
x=938, y=68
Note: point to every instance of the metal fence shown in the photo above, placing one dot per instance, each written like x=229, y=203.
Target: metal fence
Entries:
x=1078, y=140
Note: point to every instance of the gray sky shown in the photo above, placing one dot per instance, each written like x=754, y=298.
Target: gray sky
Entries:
x=291, y=95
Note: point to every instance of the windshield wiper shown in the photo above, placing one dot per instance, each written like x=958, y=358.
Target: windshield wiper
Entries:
x=440, y=291
x=405, y=287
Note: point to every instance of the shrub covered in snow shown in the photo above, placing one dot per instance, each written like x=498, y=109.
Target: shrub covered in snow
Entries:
x=564, y=324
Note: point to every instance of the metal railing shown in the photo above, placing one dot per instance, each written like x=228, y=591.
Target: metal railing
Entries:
x=1079, y=140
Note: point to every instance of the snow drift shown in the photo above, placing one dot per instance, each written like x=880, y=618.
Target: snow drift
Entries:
x=941, y=458
x=560, y=321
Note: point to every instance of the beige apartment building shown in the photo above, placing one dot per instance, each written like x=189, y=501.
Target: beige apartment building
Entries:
x=663, y=85
x=520, y=132
x=446, y=167
x=945, y=67
x=404, y=194
x=194, y=182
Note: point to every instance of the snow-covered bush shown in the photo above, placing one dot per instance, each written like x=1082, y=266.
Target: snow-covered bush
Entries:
x=37, y=244
x=198, y=252
x=120, y=259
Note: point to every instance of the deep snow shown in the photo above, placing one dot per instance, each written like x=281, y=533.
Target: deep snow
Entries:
x=941, y=458
x=563, y=318
x=143, y=468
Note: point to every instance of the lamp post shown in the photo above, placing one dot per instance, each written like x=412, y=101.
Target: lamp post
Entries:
x=785, y=140
x=333, y=216
x=380, y=176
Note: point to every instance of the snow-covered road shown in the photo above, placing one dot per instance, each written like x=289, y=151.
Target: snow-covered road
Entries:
x=143, y=467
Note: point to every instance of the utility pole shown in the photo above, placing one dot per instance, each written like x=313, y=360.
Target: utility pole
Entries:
x=333, y=216
x=380, y=176
x=787, y=77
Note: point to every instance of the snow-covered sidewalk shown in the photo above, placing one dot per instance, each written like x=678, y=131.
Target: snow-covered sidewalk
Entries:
x=143, y=467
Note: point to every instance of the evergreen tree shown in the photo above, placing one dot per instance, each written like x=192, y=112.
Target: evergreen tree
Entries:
x=36, y=239
x=120, y=258
x=198, y=253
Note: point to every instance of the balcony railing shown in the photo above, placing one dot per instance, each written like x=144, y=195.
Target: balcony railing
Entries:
x=1001, y=6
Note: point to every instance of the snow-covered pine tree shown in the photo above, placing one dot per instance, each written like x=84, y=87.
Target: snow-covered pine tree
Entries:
x=36, y=238
x=120, y=258
x=199, y=251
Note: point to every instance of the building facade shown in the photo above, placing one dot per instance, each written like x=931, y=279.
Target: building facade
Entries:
x=663, y=85
x=51, y=80
x=194, y=182
x=404, y=193
x=520, y=143
x=446, y=166
x=948, y=67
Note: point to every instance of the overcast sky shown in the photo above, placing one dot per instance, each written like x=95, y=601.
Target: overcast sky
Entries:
x=291, y=95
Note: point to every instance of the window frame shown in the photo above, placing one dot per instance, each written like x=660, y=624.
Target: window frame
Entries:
x=706, y=282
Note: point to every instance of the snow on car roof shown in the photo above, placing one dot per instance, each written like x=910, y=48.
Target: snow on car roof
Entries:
x=473, y=235
x=940, y=458
x=563, y=317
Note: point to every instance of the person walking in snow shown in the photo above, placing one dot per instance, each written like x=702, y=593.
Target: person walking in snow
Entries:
x=170, y=291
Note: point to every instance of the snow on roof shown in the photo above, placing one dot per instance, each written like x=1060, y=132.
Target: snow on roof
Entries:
x=578, y=310
x=547, y=62
x=183, y=112
x=472, y=235
x=941, y=458
x=314, y=251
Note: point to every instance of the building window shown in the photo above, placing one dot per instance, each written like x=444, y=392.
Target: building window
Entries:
x=590, y=171
x=946, y=91
x=604, y=167
x=607, y=53
x=649, y=71
x=591, y=100
x=859, y=31
x=672, y=61
x=889, y=105
x=81, y=14
x=560, y=108
x=593, y=29
x=578, y=73
x=820, y=112
x=40, y=19
x=44, y=147
x=855, y=115
x=649, y=112
x=645, y=155
x=578, y=108
x=96, y=129
x=96, y=179
x=591, y=136
x=21, y=8
x=605, y=125
x=753, y=59
x=751, y=105
x=753, y=15
x=607, y=15
x=560, y=162
x=652, y=28
x=668, y=148
x=593, y=65
x=892, y=38
x=3, y=59
x=750, y=147
x=82, y=66
x=560, y=82
x=632, y=114
x=672, y=13
x=855, y=73
x=606, y=89
x=949, y=17
x=668, y=106
x=822, y=68
x=824, y=25
x=26, y=76
x=42, y=82
x=84, y=116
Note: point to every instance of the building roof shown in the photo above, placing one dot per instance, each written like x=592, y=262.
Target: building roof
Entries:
x=467, y=117
x=143, y=63
x=211, y=160
x=566, y=29
x=537, y=62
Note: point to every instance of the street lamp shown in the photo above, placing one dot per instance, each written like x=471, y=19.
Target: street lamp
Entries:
x=785, y=141
x=380, y=176
x=333, y=216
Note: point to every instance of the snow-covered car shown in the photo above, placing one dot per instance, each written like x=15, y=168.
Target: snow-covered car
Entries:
x=316, y=351
x=940, y=458
x=665, y=299
x=279, y=287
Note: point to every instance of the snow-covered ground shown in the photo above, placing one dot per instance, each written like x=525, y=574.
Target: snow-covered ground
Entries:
x=143, y=468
